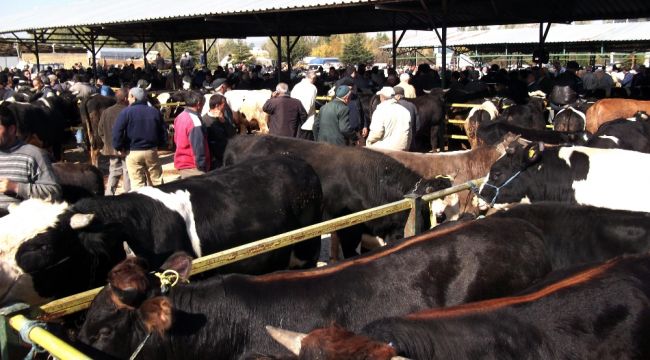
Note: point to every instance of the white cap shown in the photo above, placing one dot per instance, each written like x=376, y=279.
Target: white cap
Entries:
x=404, y=77
x=386, y=91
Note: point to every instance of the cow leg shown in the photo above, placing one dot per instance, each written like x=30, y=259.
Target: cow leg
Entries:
x=305, y=254
x=350, y=238
x=334, y=246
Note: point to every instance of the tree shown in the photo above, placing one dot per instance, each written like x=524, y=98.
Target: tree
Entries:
x=241, y=52
x=331, y=46
x=355, y=50
x=190, y=46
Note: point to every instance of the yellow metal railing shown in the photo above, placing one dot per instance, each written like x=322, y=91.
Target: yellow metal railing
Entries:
x=55, y=346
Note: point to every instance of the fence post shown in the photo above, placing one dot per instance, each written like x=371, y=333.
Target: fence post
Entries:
x=10, y=347
x=415, y=222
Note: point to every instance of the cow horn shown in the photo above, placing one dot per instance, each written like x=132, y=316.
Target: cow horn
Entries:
x=79, y=221
x=289, y=339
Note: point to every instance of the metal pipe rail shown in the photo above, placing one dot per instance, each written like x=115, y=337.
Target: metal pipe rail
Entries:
x=55, y=346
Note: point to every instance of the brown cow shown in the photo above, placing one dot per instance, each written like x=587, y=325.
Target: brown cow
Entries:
x=610, y=109
x=462, y=165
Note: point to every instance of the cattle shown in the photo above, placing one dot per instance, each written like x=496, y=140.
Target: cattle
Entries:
x=611, y=109
x=78, y=181
x=44, y=122
x=575, y=234
x=607, y=178
x=353, y=179
x=200, y=215
x=226, y=315
x=463, y=165
x=246, y=106
x=91, y=109
x=494, y=132
x=483, y=113
x=530, y=115
x=569, y=119
x=628, y=134
x=596, y=312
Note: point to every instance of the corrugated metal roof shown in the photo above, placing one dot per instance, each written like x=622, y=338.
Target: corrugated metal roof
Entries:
x=90, y=13
x=559, y=33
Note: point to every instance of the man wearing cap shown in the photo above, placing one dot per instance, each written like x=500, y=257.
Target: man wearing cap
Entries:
x=332, y=124
x=409, y=90
x=192, y=156
x=139, y=131
x=390, y=127
x=286, y=114
x=413, y=111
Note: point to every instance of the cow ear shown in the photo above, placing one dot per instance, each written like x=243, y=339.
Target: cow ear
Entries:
x=181, y=263
x=533, y=152
x=156, y=314
x=80, y=221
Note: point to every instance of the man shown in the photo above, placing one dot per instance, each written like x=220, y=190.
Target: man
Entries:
x=286, y=114
x=116, y=165
x=5, y=88
x=413, y=111
x=390, y=127
x=409, y=90
x=160, y=62
x=305, y=91
x=103, y=88
x=332, y=124
x=218, y=129
x=42, y=88
x=80, y=87
x=192, y=156
x=139, y=131
x=25, y=171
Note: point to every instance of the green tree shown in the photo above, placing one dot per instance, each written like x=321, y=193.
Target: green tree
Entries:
x=355, y=50
x=300, y=50
x=241, y=52
x=190, y=46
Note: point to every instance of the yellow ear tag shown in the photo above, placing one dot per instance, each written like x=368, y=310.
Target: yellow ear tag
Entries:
x=531, y=153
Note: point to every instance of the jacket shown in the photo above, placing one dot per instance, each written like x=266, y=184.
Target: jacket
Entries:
x=191, y=142
x=105, y=128
x=286, y=115
x=390, y=127
x=139, y=127
x=332, y=124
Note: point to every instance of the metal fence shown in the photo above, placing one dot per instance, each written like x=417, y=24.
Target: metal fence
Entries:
x=32, y=333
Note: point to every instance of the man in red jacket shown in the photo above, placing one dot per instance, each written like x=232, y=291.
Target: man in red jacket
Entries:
x=192, y=155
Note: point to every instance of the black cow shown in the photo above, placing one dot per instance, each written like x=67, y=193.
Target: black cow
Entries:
x=598, y=312
x=530, y=115
x=569, y=119
x=607, y=178
x=575, y=234
x=353, y=180
x=78, y=181
x=491, y=133
x=45, y=122
x=201, y=215
x=91, y=109
x=628, y=134
x=225, y=316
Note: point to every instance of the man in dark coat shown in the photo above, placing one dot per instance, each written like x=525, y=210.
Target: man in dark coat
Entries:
x=413, y=110
x=286, y=114
x=332, y=123
x=116, y=164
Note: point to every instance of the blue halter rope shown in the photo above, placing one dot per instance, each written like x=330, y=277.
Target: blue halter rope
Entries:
x=498, y=188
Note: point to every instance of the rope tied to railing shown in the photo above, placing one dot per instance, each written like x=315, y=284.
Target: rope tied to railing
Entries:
x=24, y=336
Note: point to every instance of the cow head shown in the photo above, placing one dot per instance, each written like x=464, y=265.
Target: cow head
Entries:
x=502, y=184
x=72, y=254
x=131, y=306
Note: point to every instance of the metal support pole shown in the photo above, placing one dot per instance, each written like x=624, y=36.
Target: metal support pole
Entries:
x=144, y=53
x=288, y=53
x=171, y=48
x=38, y=60
x=443, y=76
x=94, y=51
x=279, y=65
x=394, y=49
x=205, y=51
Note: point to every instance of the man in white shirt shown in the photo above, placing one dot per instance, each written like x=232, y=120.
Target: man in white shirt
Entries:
x=409, y=90
x=305, y=91
x=390, y=127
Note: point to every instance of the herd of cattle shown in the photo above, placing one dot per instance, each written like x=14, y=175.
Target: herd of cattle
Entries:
x=561, y=270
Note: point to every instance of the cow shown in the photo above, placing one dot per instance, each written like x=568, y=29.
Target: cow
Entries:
x=607, y=178
x=226, y=315
x=575, y=234
x=78, y=181
x=44, y=122
x=200, y=215
x=462, y=165
x=246, y=106
x=598, y=312
x=353, y=179
x=484, y=113
x=569, y=119
x=529, y=115
x=494, y=132
x=91, y=109
x=628, y=134
x=611, y=109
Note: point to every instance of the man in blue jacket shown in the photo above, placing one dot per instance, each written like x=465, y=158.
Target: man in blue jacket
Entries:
x=138, y=132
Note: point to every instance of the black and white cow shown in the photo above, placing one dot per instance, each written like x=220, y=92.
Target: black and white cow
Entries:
x=353, y=179
x=609, y=178
x=225, y=316
x=598, y=312
x=77, y=245
x=569, y=119
x=628, y=134
x=575, y=234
